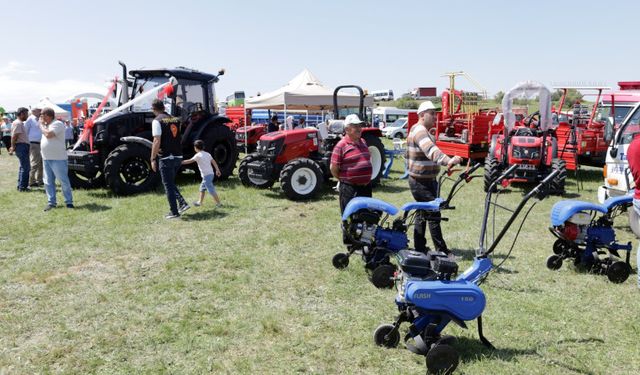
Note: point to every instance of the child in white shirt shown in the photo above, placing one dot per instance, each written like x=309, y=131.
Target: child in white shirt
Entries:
x=205, y=163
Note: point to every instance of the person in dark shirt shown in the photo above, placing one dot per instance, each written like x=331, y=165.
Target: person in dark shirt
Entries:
x=273, y=125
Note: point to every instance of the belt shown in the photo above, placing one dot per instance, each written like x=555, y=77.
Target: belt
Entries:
x=352, y=184
x=170, y=157
x=35, y=143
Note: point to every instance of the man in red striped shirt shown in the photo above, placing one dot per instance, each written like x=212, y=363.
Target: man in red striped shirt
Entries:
x=351, y=163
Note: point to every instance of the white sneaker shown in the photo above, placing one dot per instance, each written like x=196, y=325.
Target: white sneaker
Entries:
x=183, y=208
x=196, y=204
x=218, y=205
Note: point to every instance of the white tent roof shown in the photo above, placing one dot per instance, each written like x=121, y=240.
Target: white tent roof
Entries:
x=46, y=103
x=304, y=92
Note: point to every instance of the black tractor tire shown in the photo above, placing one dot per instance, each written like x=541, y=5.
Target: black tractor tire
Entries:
x=79, y=180
x=618, y=272
x=557, y=184
x=382, y=276
x=220, y=142
x=127, y=170
x=491, y=171
x=386, y=337
x=301, y=179
x=554, y=262
x=442, y=359
x=376, y=151
x=243, y=173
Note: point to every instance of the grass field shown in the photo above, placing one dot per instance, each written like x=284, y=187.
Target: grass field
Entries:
x=113, y=288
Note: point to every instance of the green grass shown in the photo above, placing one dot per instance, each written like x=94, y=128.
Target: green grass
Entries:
x=112, y=287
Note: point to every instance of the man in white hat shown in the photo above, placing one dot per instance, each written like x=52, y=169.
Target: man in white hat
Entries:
x=425, y=159
x=351, y=163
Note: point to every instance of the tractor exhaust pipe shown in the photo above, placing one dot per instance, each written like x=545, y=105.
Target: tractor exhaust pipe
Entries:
x=124, y=90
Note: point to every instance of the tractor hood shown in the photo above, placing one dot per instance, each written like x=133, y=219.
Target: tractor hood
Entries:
x=528, y=90
x=526, y=141
x=295, y=134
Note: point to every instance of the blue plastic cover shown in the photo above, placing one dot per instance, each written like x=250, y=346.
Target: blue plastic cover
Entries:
x=360, y=203
x=460, y=298
x=563, y=210
x=614, y=201
x=433, y=205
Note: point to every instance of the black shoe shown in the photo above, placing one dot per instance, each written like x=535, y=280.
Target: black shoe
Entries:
x=70, y=205
x=49, y=207
x=172, y=216
x=24, y=190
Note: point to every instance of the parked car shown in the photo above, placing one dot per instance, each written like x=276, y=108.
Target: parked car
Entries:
x=397, y=129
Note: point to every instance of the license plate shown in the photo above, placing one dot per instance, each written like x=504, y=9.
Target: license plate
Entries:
x=528, y=167
x=239, y=136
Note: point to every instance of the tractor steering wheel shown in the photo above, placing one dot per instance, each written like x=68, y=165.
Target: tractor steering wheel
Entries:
x=533, y=120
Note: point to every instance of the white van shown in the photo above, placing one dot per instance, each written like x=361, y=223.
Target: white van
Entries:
x=382, y=95
x=383, y=116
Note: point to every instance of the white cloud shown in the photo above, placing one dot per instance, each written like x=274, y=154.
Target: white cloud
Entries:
x=16, y=90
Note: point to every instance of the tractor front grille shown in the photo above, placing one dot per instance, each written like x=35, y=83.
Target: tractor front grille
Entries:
x=531, y=153
x=270, y=148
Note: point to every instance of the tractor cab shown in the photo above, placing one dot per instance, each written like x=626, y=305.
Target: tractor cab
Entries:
x=529, y=144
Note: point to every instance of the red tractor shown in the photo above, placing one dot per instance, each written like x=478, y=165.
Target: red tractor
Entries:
x=462, y=128
x=300, y=158
x=531, y=144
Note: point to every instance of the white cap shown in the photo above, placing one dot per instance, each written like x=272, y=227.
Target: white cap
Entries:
x=352, y=119
x=426, y=105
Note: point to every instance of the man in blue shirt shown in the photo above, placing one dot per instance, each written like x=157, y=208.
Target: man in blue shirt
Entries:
x=32, y=126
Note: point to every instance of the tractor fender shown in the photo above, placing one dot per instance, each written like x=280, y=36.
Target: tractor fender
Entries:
x=375, y=131
x=210, y=122
x=140, y=140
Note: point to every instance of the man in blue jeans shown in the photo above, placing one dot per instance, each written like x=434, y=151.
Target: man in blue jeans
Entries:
x=167, y=145
x=20, y=145
x=54, y=156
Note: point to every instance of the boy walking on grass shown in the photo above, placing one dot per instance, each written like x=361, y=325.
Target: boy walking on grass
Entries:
x=205, y=163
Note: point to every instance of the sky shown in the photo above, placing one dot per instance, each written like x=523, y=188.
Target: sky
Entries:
x=59, y=49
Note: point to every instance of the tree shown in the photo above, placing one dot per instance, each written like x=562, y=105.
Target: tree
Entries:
x=499, y=96
x=407, y=103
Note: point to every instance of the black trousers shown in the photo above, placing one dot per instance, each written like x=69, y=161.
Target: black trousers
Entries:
x=349, y=191
x=425, y=191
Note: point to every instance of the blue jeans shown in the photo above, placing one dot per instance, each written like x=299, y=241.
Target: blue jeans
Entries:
x=22, y=152
x=57, y=169
x=168, y=171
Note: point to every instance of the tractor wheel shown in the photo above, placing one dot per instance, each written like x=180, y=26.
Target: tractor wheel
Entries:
x=220, y=142
x=247, y=179
x=561, y=247
x=554, y=262
x=382, y=276
x=618, y=272
x=340, y=261
x=442, y=359
x=376, y=150
x=385, y=336
x=557, y=184
x=127, y=170
x=301, y=179
x=491, y=171
x=79, y=180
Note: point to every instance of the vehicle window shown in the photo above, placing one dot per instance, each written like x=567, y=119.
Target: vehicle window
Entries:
x=142, y=87
x=631, y=128
x=604, y=112
x=188, y=93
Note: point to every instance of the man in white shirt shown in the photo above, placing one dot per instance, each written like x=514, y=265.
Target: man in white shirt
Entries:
x=54, y=154
x=33, y=131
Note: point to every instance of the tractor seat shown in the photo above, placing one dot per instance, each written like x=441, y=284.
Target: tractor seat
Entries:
x=433, y=205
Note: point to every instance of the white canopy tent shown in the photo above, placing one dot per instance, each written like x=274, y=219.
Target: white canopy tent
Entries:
x=304, y=92
x=60, y=113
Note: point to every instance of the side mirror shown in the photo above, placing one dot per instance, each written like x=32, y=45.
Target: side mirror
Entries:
x=613, y=152
x=608, y=130
x=221, y=72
